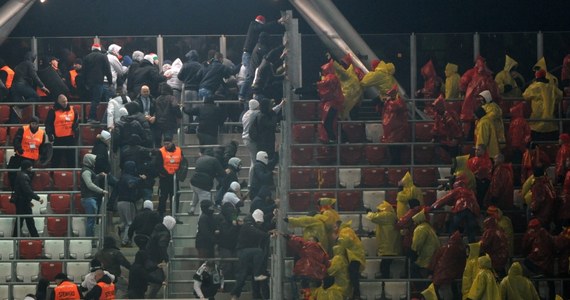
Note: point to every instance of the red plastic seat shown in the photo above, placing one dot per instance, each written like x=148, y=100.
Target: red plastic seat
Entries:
x=305, y=111
x=301, y=155
x=27, y=114
x=424, y=154
x=30, y=249
x=6, y=206
x=423, y=131
x=326, y=178
x=394, y=175
x=63, y=180
x=350, y=155
x=57, y=226
x=3, y=135
x=42, y=111
x=41, y=181
x=455, y=106
x=12, y=132
x=48, y=270
x=323, y=194
x=78, y=108
x=355, y=132
x=374, y=177
x=304, y=133
x=376, y=154
x=326, y=155
x=89, y=135
x=4, y=113
x=303, y=179
x=6, y=182
x=350, y=201
x=301, y=201
x=2, y=157
x=429, y=197
x=60, y=203
x=101, y=108
x=426, y=177
x=77, y=206
x=391, y=196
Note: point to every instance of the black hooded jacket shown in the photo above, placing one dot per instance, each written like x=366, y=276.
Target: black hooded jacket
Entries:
x=111, y=257
x=147, y=74
x=26, y=72
x=167, y=111
x=95, y=292
x=205, y=237
x=96, y=68
x=229, y=229
x=190, y=72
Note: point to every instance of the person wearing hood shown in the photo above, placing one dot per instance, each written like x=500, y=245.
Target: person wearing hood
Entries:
x=213, y=75
x=482, y=167
x=352, y=91
x=538, y=249
x=326, y=208
x=562, y=246
x=495, y=113
x=143, y=224
x=461, y=169
x=495, y=243
x=190, y=76
x=263, y=127
x=407, y=192
x=104, y=289
x=29, y=141
x=97, y=73
x=157, y=250
x=127, y=196
x=533, y=157
x=544, y=97
x=168, y=162
x=135, y=123
x=451, y=81
x=562, y=155
x=424, y=244
x=171, y=72
x=381, y=77
x=313, y=225
x=406, y=225
x=210, y=118
x=22, y=197
x=484, y=285
x=446, y=129
x=332, y=102
x=465, y=208
x=233, y=195
x=329, y=290
x=91, y=192
x=313, y=261
x=113, y=109
x=25, y=80
x=485, y=134
x=137, y=58
x=348, y=239
x=262, y=174
x=207, y=169
x=167, y=113
x=395, y=124
x=259, y=51
x=541, y=65
x=139, y=278
x=229, y=227
x=471, y=268
x=501, y=187
x=62, y=123
x=117, y=68
x=264, y=202
x=509, y=81
x=447, y=265
x=101, y=151
x=505, y=224
x=206, y=235
x=111, y=258
x=519, y=133
x=543, y=197
x=387, y=236
x=516, y=286
x=246, y=124
x=90, y=279
x=147, y=74
x=432, y=84
x=232, y=171
x=339, y=270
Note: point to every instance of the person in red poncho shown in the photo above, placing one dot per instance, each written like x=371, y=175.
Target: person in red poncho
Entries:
x=395, y=123
x=431, y=89
x=533, y=158
x=447, y=265
x=500, y=191
x=312, y=263
x=330, y=92
x=561, y=156
x=519, y=133
x=564, y=205
x=494, y=242
x=446, y=129
x=562, y=246
x=543, y=198
x=406, y=225
x=481, y=166
x=538, y=249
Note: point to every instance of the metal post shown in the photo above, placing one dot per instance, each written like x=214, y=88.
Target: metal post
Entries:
x=539, y=45
x=413, y=65
x=10, y=15
x=34, y=49
x=223, y=46
x=476, y=45
x=160, y=49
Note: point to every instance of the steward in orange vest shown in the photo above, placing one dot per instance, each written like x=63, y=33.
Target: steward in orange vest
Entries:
x=168, y=163
x=104, y=290
x=65, y=289
x=29, y=140
x=6, y=79
x=61, y=127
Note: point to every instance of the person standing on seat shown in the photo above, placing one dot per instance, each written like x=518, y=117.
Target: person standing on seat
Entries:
x=22, y=198
x=210, y=118
x=62, y=123
x=168, y=163
x=96, y=69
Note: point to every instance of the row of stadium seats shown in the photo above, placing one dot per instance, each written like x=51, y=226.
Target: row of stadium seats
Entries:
x=45, y=249
x=41, y=111
x=87, y=134
x=54, y=226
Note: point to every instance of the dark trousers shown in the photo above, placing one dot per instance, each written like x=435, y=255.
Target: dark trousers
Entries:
x=63, y=158
x=470, y=224
x=165, y=192
x=206, y=139
x=354, y=277
x=29, y=222
x=250, y=263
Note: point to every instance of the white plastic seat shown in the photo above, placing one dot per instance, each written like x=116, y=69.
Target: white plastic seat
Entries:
x=368, y=225
x=27, y=271
x=370, y=246
x=441, y=194
x=4, y=293
x=6, y=249
x=355, y=218
x=374, y=132
x=444, y=174
x=5, y=272
x=6, y=226
x=76, y=271
x=20, y=291
x=372, y=199
x=289, y=264
x=518, y=200
x=349, y=178
x=54, y=249
x=9, y=153
x=372, y=268
x=40, y=223
x=78, y=226
x=80, y=249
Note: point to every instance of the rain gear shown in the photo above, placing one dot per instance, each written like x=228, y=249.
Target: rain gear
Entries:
x=430, y=293
x=500, y=192
x=505, y=224
x=348, y=239
x=481, y=166
x=332, y=217
x=407, y=226
x=334, y=292
x=526, y=190
x=449, y=261
x=463, y=198
x=495, y=113
x=313, y=226
x=484, y=286
x=473, y=82
x=543, y=99
x=562, y=243
x=461, y=169
x=351, y=88
x=515, y=286
x=494, y=242
x=564, y=208
x=485, y=134
x=538, y=247
x=432, y=82
x=409, y=191
x=471, y=268
x=313, y=261
x=446, y=124
x=395, y=121
x=425, y=241
x=508, y=77
x=382, y=77
x=330, y=93
x=533, y=158
x=541, y=65
x=339, y=269
x=543, y=199
x=451, y=81
x=519, y=130
x=387, y=235
x=562, y=154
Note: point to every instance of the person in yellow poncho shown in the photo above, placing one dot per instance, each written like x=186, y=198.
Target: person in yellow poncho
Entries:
x=451, y=81
x=509, y=81
x=526, y=190
x=430, y=293
x=495, y=113
x=313, y=225
x=505, y=224
x=543, y=97
x=485, y=133
x=541, y=65
x=382, y=77
x=461, y=169
x=484, y=286
x=471, y=268
x=409, y=191
x=424, y=243
x=348, y=239
x=351, y=89
x=387, y=236
x=329, y=290
x=326, y=208
x=339, y=269
x=515, y=286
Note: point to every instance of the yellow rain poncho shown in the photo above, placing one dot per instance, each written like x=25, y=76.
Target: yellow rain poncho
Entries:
x=409, y=192
x=326, y=209
x=541, y=65
x=382, y=77
x=451, y=81
x=485, y=134
x=429, y=293
x=334, y=292
x=515, y=286
x=351, y=88
x=506, y=77
x=506, y=225
x=543, y=99
x=494, y=112
x=471, y=268
x=313, y=226
x=484, y=286
x=339, y=269
x=425, y=241
x=526, y=190
x=461, y=169
x=387, y=236
x=348, y=239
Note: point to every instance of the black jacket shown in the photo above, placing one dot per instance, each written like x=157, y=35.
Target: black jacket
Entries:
x=262, y=129
x=152, y=104
x=210, y=117
x=125, y=128
x=207, y=168
x=132, y=69
x=129, y=183
x=205, y=237
x=213, y=75
x=26, y=72
x=229, y=231
x=95, y=68
x=23, y=191
x=101, y=150
x=50, y=118
x=262, y=175
x=253, y=32
x=112, y=258
x=144, y=223
x=158, y=244
x=147, y=74
x=54, y=82
x=190, y=72
x=167, y=111
x=250, y=236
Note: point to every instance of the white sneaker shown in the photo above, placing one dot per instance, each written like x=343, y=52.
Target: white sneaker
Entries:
x=260, y=278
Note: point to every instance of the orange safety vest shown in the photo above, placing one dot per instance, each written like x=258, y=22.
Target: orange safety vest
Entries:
x=63, y=123
x=31, y=143
x=66, y=290
x=171, y=160
x=72, y=75
x=107, y=291
x=10, y=76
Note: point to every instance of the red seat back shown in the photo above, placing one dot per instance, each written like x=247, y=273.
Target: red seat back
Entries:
x=355, y=132
x=89, y=135
x=57, y=226
x=101, y=108
x=77, y=206
x=426, y=177
x=12, y=133
x=6, y=206
x=302, y=155
x=41, y=181
x=376, y=154
x=42, y=111
x=423, y=131
x=350, y=155
x=3, y=135
x=48, y=270
x=30, y=249
x=60, y=203
x=63, y=180
x=305, y=111
x=374, y=177
x=395, y=174
x=301, y=201
x=424, y=154
x=4, y=113
x=304, y=133
x=326, y=178
x=303, y=179
x=326, y=155
x=350, y=201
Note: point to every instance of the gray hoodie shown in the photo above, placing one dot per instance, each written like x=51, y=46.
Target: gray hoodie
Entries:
x=88, y=187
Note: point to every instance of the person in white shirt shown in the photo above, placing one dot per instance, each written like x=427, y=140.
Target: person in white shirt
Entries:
x=113, y=109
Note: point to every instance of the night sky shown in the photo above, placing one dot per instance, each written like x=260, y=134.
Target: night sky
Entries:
x=198, y=17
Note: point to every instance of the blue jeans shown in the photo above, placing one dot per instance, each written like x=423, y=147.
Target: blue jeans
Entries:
x=245, y=89
x=204, y=94
x=98, y=92
x=90, y=206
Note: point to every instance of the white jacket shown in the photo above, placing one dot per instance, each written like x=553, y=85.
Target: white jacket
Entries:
x=113, y=107
x=117, y=69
